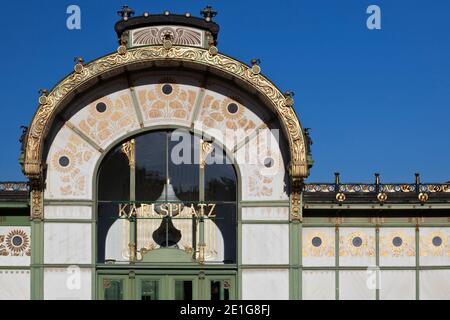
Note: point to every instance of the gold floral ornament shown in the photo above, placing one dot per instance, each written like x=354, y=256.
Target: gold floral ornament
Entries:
x=167, y=101
x=435, y=244
x=356, y=244
x=107, y=117
x=18, y=243
x=226, y=113
x=397, y=244
x=68, y=161
x=318, y=244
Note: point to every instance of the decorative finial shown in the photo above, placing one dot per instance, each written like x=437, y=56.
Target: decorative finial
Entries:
x=43, y=93
x=256, y=69
x=289, y=98
x=126, y=12
x=79, y=61
x=417, y=178
x=377, y=179
x=337, y=178
x=208, y=13
x=256, y=62
x=289, y=94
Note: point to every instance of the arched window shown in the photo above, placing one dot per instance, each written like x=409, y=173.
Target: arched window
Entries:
x=167, y=190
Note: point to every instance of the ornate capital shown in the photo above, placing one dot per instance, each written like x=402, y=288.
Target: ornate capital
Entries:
x=37, y=199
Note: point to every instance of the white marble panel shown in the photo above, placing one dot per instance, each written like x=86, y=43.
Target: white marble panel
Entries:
x=357, y=285
x=434, y=285
x=15, y=285
x=318, y=247
x=15, y=246
x=397, y=285
x=265, y=284
x=70, y=283
x=397, y=247
x=70, y=167
x=68, y=212
x=265, y=213
x=265, y=244
x=357, y=247
x=67, y=243
x=434, y=246
x=319, y=285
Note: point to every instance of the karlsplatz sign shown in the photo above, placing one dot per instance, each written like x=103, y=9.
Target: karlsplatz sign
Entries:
x=147, y=211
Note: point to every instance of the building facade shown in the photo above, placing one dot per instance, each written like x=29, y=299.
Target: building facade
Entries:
x=168, y=170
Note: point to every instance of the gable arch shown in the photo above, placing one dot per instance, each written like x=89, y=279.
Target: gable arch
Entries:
x=117, y=63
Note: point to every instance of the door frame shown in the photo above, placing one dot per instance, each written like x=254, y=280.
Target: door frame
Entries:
x=132, y=281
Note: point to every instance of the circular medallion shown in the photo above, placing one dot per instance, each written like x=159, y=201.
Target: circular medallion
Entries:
x=101, y=107
x=437, y=241
x=269, y=162
x=233, y=108
x=357, y=242
x=167, y=89
x=397, y=242
x=64, y=161
x=316, y=242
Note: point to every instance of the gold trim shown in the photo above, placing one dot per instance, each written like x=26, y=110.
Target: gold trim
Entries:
x=129, y=149
x=205, y=149
x=47, y=111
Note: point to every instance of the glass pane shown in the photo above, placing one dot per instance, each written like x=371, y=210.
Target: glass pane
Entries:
x=150, y=290
x=150, y=165
x=221, y=189
x=184, y=173
x=183, y=290
x=113, y=289
x=220, y=291
x=113, y=185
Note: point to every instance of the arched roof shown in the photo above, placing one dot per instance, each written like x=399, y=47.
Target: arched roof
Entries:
x=86, y=76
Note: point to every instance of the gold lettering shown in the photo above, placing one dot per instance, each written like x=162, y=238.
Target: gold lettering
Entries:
x=123, y=210
x=164, y=209
x=211, y=213
x=193, y=211
x=133, y=211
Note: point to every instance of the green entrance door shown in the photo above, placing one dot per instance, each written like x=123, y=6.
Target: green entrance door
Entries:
x=167, y=287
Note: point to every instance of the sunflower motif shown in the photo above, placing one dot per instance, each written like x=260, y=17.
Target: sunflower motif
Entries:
x=97, y=111
x=17, y=242
x=434, y=244
x=167, y=92
x=64, y=161
x=318, y=244
x=399, y=244
x=227, y=111
x=356, y=244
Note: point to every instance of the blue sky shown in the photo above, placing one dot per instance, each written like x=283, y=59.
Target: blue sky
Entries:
x=376, y=100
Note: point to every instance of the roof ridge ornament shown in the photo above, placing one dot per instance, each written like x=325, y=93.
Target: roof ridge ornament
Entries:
x=126, y=12
x=208, y=13
x=289, y=95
